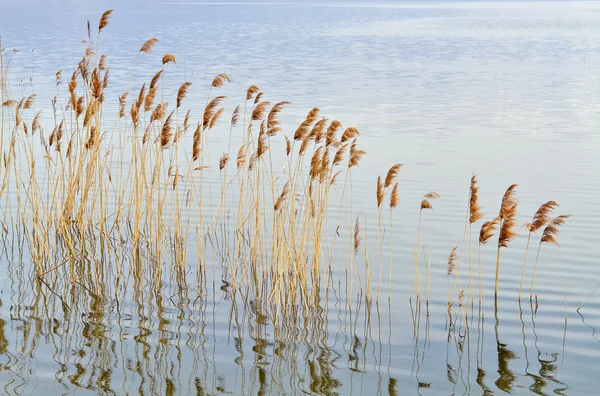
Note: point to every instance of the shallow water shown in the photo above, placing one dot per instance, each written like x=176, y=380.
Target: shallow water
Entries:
x=510, y=91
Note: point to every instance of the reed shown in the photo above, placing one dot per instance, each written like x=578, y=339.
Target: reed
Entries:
x=549, y=235
x=540, y=219
x=507, y=222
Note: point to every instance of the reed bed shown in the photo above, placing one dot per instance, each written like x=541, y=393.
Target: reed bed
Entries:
x=91, y=183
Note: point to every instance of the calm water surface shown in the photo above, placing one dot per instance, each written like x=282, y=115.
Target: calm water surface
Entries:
x=510, y=91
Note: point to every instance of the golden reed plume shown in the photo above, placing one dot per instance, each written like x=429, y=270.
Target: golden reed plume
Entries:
x=452, y=261
x=104, y=20
x=551, y=232
x=380, y=193
x=426, y=203
x=487, y=230
x=220, y=80
x=147, y=46
x=168, y=58
x=474, y=208
x=541, y=216
x=392, y=174
x=395, y=196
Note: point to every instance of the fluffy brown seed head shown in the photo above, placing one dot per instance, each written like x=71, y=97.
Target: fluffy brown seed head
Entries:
x=350, y=133
x=216, y=117
x=551, y=232
x=149, y=101
x=168, y=58
x=474, y=208
x=91, y=139
x=487, y=230
x=313, y=113
x=252, y=89
x=102, y=62
x=159, y=112
x=288, y=146
x=196, y=143
x=392, y=174
x=318, y=130
x=395, y=196
x=331, y=131
x=155, y=79
x=260, y=110
x=167, y=132
x=80, y=107
x=507, y=226
x=303, y=129
x=210, y=110
x=186, y=121
x=122, y=103
x=355, y=155
x=147, y=46
x=356, y=237
x=220, y=80
x=315, y=163
x=35, y=125
x=282, y=197
x=304, y=144
x=426, y=203
x=28, y=104
x=542, y=216
x=452, y=261
x=241, y=156
x=223, y=161
x=262, y=146
x=58, y=78
x=273, y=124
x=182, y=92
x=508, y=201
x=235, y=116
x=339, y=155
x=380, y=193
x=104, y=20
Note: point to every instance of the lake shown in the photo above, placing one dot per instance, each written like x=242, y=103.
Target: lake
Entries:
x=508, y=91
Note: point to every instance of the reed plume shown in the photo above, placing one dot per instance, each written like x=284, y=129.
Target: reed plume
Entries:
x=220, y=80
x=196, y=143
x=252, y=89
x=540, y=219
x=210, y=110
x=507, y=215
x=356, y=237
x=355, y=155
x=223, y=161
x=182, y=92
x=273, y=124
x=260, y=111
x=159, y=112
x=426, y=202
x=392, y=175
x=487, y=230
x=104, y=20
x=380, y=193
x=147, y=46
x=350, y=133
x=452, y=261
x=168, y=58
x=166, y=133
x=550, y=235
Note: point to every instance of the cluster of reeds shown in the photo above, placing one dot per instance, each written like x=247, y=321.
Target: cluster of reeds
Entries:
x=506, y=225
x=147, y=169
